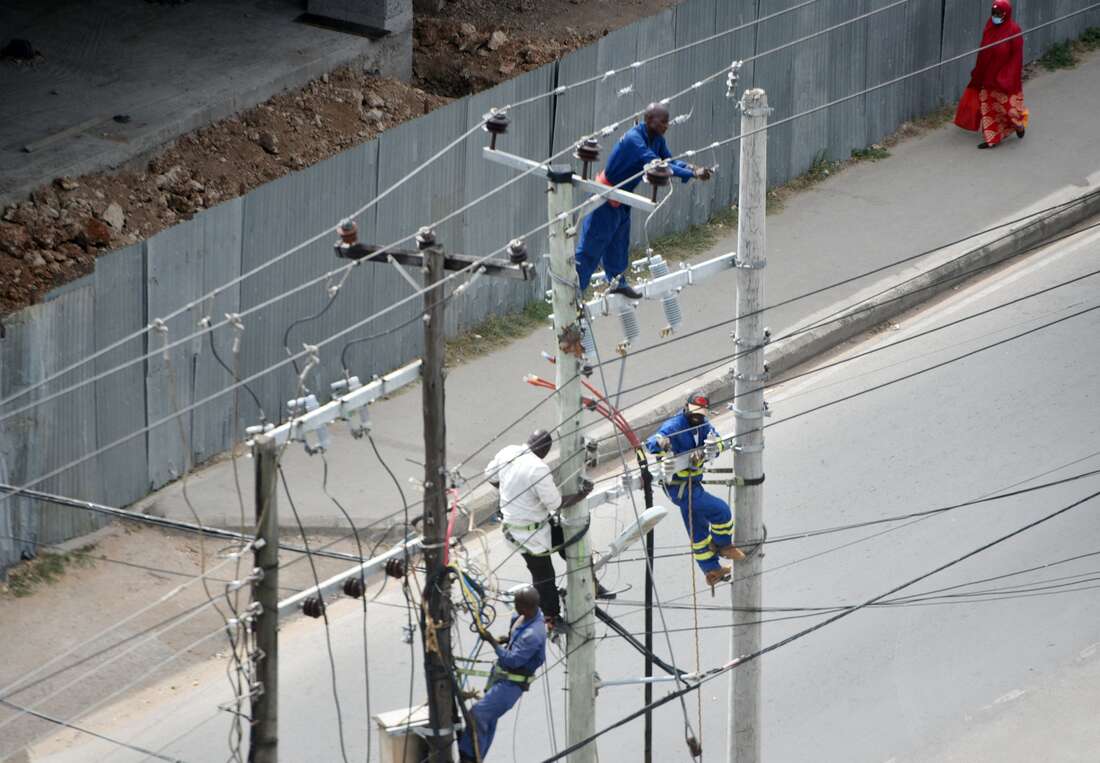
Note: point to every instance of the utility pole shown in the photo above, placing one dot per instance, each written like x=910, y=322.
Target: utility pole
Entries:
x=580, y=587
x=436, y=616
x=647, y=493
x=437, y=619
x=749, y=411
x=263, y=742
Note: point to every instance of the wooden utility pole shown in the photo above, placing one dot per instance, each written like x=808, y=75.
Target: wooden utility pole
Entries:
x=749, y=411
x=437, y=617
x=580, y=597
x=263, y=740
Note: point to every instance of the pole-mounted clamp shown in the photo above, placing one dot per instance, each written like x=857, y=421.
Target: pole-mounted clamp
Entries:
x=750, y=264
x=756, y=447
x=737, y=340
x=741, y=413
x=753, y=377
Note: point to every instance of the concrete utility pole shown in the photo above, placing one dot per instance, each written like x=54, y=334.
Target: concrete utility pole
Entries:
x=437, y=630
x=263, y=741
x=580, y=586
x=749, y=410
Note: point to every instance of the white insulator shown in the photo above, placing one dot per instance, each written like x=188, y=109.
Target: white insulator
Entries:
x=670, y=302
x=628, y=316
x=668, y=469
x=587, y=341
x=710, y=447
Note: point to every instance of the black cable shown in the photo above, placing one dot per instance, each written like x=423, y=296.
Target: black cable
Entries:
x=893, y=518
x=324, y=612
x=733, y=664
x=236, y=377
x=958, y=277
x=882, y=268
x=362, y=597
x=83, y=730
x=405, y=590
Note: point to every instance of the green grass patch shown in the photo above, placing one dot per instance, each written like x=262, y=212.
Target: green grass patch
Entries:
x=677, y=247
x=45, y=570
x=496, y=332
x=1060, y=56
x=1090, y=38
x=871, y=153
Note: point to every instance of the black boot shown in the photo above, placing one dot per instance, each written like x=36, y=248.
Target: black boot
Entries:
x=603, y=593
x=625, y=289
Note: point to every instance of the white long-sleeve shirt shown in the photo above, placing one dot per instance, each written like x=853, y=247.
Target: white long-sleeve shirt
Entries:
x=528, y=495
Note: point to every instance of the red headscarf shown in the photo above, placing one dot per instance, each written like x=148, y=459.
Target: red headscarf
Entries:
x=1000, y=67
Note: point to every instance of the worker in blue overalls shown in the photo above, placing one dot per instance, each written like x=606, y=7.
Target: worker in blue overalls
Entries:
x=519, y=655
x=707, y=517
x=605, y=234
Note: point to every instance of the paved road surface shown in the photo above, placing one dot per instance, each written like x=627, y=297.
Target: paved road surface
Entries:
x=895, y=683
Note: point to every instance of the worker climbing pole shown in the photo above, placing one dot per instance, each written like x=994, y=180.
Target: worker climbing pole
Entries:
x=685, y=443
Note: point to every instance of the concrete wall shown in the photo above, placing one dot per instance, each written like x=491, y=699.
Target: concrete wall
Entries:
x=132, y=287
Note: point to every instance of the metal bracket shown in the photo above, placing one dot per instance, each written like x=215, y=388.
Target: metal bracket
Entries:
x=741, y=413
x=397, y=266
x=750, y=265
x=751, y=448
x=753, y=377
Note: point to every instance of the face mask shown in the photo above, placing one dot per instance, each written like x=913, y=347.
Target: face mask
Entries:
x=998, y=20
x=695, y=419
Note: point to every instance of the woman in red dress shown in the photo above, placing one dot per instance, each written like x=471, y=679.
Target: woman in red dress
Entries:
x=998, y=78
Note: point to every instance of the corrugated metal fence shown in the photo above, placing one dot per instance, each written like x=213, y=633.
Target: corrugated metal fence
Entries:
x=133, y=286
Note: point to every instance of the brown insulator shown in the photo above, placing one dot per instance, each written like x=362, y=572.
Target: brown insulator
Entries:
x=657, y=174
x=497, y=124
x=588, y=151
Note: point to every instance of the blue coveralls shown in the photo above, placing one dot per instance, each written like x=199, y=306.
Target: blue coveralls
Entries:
x=606, y=232
x=706, y=517
x=524, y=654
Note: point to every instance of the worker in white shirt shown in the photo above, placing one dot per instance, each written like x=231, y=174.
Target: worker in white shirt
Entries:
x=529, y=500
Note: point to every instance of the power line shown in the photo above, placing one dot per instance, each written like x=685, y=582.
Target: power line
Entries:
x=902, y=77
x=346, y=269
x=324, y=614
x=560, y=90
x=14, y=685
x=733, y=664
x=96, y=734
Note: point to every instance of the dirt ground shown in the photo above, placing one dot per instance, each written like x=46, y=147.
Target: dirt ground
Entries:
x=119, y=571
x=55, y=235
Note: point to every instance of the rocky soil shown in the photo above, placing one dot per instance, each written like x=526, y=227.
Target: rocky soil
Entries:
x=54, y=236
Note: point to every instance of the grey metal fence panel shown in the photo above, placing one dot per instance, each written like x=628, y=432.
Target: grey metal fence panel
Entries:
x=575, y=110
x=513, y=212
x=922, y=38
x=886, y=46
x=342, y=183
x=538, y=140
x=654, y=82
x=846, y=71
x=355, y=179
x=214, y=425
x=494, y=221
x=278, y=216
x=695, y=21
x=775, y=73
x=962, y=31
x=120, y=397
x=174, y=262
x=58, y=434
x=738, y=45
x=430, y=196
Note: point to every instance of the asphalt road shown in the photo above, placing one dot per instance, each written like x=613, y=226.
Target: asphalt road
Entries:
x=886, y=683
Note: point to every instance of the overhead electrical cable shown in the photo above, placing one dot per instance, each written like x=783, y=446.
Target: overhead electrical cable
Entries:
x=741, y=660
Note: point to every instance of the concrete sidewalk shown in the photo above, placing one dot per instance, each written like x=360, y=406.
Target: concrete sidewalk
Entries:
x=198, y=63
x=934, y=189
